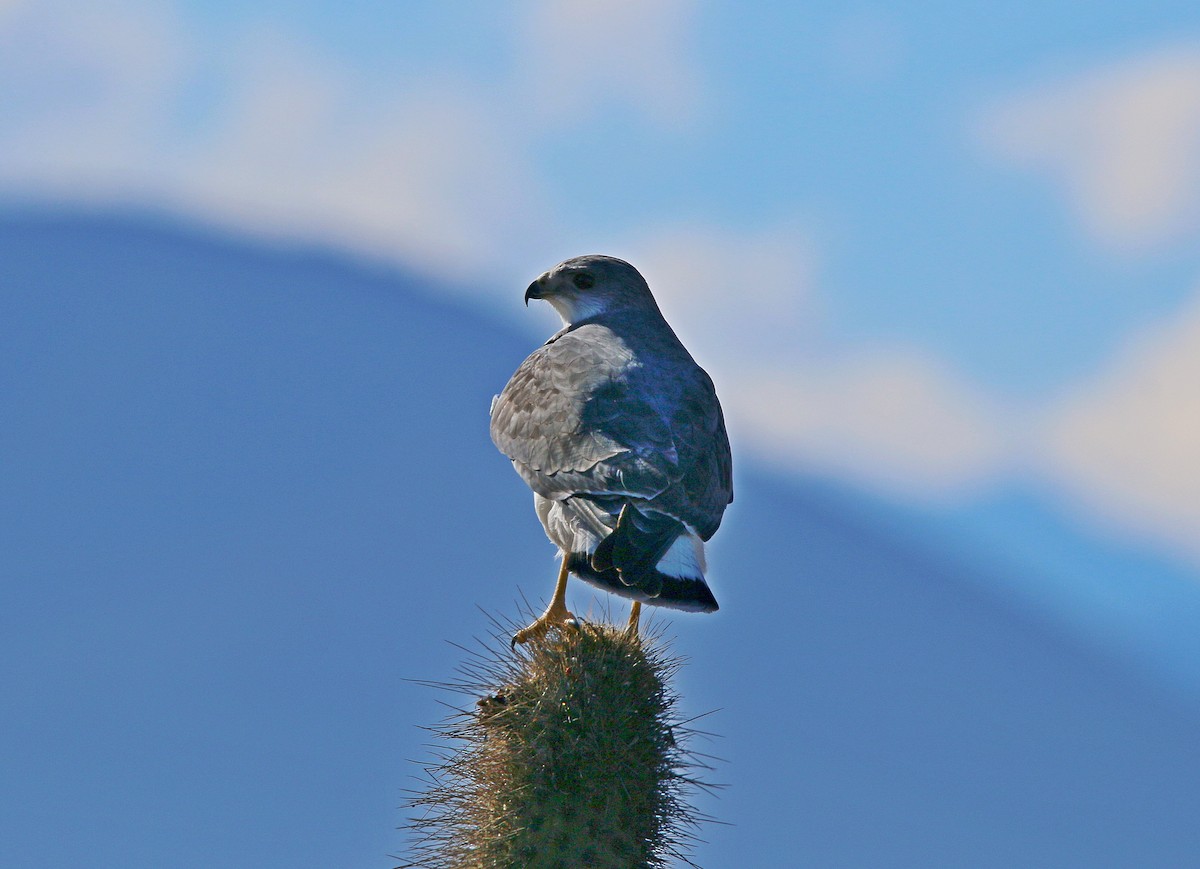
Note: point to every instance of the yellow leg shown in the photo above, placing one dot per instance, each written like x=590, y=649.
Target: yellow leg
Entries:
x=635, y=614
x=555, y=614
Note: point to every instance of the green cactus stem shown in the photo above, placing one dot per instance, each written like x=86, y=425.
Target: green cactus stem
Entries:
x=573, y=756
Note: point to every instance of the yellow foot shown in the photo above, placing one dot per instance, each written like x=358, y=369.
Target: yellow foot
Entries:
x=554, y=617
x=635, y=613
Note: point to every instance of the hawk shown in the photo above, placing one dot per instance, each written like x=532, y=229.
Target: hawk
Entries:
x=620, y=436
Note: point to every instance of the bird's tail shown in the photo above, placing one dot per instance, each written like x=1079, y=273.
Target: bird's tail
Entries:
x=649, y=557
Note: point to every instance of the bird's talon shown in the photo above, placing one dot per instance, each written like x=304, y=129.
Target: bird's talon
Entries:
x=552, y=618
x=556, y=614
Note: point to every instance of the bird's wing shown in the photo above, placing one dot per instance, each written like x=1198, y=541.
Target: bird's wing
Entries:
x=574, y=422
x=698, y=426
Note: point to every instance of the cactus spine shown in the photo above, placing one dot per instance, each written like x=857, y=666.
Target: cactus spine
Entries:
x=573, y=757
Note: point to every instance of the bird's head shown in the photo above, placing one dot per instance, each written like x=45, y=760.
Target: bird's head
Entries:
x=587, y=286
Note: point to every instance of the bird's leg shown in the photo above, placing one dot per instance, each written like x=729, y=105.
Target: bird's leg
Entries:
x=555, y=614
x=635, y=614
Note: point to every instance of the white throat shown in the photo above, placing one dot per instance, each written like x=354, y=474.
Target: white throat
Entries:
x=572, y=310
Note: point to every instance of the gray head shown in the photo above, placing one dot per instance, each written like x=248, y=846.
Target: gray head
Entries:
x=587, y=286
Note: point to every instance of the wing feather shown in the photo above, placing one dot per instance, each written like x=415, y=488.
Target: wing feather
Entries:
x=587, y=414
x=575, y=419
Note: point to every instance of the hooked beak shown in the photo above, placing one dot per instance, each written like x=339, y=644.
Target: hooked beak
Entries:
x=536, y=290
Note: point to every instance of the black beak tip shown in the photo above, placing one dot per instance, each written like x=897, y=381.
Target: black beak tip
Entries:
x=533, y=292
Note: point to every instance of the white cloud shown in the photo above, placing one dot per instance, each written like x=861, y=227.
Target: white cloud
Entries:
x=894, y=419
x=84, y=94
x=290, y=147
x=1123, y=141
x=428, y=178
x=746, y=304
x=1128, y=444
x=734, y=296
x=438, y=173
x=445, y=182
x=577, y=53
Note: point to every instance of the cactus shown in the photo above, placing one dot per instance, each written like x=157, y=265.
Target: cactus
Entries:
x=573, y=757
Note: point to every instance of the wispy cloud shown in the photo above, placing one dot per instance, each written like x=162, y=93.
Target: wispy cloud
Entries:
x=85, y=90
x=748, y=294
x=293, y=143
x=893, y=419
x=750, y=304
x=1127, y=444
x=1123, y=141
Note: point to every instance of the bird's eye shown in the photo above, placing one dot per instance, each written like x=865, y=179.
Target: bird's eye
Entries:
x=583, y=280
